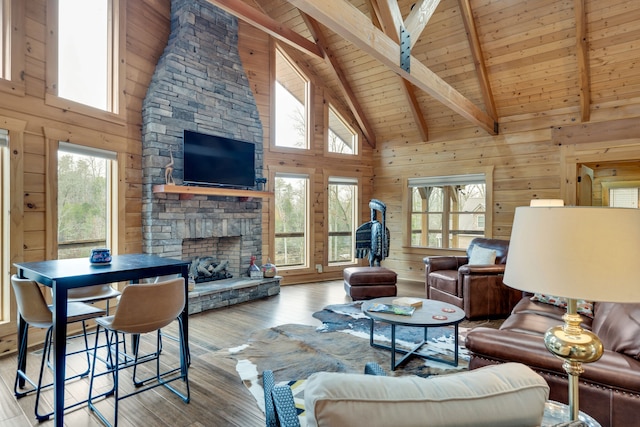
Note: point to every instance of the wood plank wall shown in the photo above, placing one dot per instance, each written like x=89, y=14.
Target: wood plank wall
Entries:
x=147, y=30
x=533, y=157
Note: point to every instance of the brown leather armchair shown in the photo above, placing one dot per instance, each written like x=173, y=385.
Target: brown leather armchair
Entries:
x=477, y=289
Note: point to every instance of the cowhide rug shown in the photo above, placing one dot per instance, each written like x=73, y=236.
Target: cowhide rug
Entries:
x=341, y=344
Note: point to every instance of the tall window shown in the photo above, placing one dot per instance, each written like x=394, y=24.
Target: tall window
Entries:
x=291, y=105
x=85, y=53
x=291, y=220
x=342, y=205
x=86, y=200
x=447, y=211
x=4, y=38
x=12, y=52
x=4, y=235
x=341, y=138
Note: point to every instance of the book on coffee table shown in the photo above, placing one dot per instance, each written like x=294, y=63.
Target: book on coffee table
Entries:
x=403, y=310
x=410, y=301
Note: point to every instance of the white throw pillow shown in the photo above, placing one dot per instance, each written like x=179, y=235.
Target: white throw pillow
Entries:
x=482, y=256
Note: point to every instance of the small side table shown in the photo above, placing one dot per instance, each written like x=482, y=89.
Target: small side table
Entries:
x=556, y=413
x=432, y=314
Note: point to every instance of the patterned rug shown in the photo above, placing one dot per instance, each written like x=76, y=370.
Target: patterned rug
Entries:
x=293, y=352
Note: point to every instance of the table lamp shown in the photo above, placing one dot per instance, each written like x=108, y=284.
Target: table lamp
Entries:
x=577, y=253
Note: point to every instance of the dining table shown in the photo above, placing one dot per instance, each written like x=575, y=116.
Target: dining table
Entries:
x=64, y=274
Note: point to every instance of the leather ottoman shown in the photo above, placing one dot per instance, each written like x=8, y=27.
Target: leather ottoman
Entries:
x=369, y=282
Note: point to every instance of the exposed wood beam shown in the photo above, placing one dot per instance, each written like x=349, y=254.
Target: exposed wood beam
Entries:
x=388, y=13
x=348, y=22
x=348, y=94
x=582, y=56
x=372, y=5
x=419, y=17
x=267, y=24
x=478, y=58
x=611, y=130
x=414, y=106
x=390, y=17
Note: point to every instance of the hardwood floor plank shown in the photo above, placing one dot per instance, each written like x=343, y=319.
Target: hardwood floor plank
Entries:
x=218, y=397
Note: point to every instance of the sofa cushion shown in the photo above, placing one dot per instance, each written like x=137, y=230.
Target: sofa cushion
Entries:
x=583, y=307
x=509, y=394
x=482, y=256
x=618, y=327
x=526, y=306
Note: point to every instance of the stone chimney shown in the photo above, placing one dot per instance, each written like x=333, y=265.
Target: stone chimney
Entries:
x=199, y=84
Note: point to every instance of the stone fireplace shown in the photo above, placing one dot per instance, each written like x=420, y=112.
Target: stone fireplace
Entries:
x=199, y=84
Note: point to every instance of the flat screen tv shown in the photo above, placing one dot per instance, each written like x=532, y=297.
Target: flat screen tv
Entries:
x=218, y=161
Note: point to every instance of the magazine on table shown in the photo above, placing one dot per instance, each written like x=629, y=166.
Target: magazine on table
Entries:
x=403, y=310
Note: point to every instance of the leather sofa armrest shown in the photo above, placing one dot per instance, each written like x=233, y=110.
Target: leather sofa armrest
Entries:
x=435, y=263
x=613, y=370
x=482, y=269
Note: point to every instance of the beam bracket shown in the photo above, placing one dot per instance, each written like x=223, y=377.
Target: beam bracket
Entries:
x=405, y=49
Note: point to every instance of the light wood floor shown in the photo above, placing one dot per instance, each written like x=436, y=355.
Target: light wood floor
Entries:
x=218, y=398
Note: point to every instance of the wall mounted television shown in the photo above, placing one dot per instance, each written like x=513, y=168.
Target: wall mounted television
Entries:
x=217, y=161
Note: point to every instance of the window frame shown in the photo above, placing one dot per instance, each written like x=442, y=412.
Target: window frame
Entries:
x=357, y=205
x=407, y=207
x=111, y=194
x=309, y=231
x=11, y=47
x=6, y=311
x=309, y=105
x=116, y=74
x=11, y=218
x=607, y=186
x=331, y=106
x=89, y=140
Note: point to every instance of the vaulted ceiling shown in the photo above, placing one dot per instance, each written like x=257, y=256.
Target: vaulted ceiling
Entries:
x=409, y=69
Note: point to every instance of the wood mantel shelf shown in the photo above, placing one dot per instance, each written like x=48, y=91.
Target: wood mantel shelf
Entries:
x=209, y=191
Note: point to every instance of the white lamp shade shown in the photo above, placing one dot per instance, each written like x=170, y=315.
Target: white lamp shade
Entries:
x=590, y=253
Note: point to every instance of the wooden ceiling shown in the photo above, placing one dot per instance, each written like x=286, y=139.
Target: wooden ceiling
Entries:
x=473, y=63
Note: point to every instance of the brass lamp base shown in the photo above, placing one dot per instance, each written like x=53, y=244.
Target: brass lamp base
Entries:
x=574, y=346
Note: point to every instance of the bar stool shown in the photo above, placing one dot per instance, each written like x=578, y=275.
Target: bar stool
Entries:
x=143, y=308
x=93, y=294
x=159, y=279
x=35, y=312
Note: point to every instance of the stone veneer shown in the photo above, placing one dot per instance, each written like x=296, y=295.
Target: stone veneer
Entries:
x=199, y=84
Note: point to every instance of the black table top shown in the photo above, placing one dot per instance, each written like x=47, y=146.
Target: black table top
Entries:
x=80, y=272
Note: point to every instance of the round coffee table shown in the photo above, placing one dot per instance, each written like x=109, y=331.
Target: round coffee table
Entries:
x=431, y=314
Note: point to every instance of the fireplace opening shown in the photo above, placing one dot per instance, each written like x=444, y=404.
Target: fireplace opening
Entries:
x=208, y=269
x=213, y=258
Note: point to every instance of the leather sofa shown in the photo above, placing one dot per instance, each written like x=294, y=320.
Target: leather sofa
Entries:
x=609, y=389
x=475, y=288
